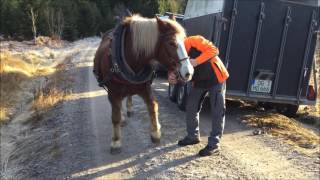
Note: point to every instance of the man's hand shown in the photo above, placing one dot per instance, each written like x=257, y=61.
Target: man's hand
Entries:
x=194, y=62
x=172, y=78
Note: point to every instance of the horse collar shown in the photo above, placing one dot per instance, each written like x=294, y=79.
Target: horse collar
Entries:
x=119, y=63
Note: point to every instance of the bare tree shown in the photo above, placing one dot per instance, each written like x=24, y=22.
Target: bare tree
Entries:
x=55, y=22
x=34, y=17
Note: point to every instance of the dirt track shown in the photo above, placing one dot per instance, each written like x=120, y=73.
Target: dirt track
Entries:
x=73, y=142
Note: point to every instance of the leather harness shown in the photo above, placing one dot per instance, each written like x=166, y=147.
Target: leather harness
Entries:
x=120, y=71
x=119, y=65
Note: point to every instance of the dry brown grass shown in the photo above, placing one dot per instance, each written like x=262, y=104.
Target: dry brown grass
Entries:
x=310, y=115
x=54, y=91
x=3, y=114
x=284, y=127
x=45, y=100
x=48, y=41
x=15, y=64
x=14, y=73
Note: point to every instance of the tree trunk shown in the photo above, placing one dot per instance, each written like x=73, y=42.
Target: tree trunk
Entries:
x=55, y=22
x=33, y=17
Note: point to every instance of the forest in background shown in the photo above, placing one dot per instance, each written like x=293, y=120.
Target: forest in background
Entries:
x=72, y=19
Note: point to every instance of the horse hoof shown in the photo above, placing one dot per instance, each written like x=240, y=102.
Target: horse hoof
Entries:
x=115, y=150
x=129, y=114
x=123, y=123
x=155, y=140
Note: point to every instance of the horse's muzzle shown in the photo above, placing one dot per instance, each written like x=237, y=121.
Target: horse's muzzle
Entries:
x=186, y=70
x=187, y=76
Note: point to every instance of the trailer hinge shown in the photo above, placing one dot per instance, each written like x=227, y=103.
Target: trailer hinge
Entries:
x=287, y=21
x=288, y=18
x=235, y=7
x=262, y=16
x=224, y=22
x=305, y=72
x=256, y=46
x=304, y=69
x=234, y=11
x=230, y=34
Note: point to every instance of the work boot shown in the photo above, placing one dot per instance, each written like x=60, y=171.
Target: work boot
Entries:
x=188, y=141
x=209, y=150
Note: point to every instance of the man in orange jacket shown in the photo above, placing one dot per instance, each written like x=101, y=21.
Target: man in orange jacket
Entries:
x=209, y=76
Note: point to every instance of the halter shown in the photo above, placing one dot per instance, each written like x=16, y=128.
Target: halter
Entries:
x=184, y=59
x=182, y=54
x=177, y=72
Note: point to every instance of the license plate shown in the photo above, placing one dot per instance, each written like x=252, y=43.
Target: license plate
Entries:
x=263, y=86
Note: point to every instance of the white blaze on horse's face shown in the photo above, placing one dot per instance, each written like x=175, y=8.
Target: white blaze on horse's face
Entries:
x=186, y=69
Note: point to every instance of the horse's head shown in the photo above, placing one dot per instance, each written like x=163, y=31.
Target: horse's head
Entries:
x=171, y=49
x=162, y=40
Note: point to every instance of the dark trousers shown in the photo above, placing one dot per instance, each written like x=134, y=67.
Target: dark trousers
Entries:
x=194, y=104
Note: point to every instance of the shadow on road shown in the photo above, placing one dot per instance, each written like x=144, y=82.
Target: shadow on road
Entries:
x=87, y=123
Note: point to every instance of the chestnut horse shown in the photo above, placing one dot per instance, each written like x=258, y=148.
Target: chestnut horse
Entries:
x=147, y=39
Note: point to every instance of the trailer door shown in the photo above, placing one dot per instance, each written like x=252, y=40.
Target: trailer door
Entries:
x=268, y=47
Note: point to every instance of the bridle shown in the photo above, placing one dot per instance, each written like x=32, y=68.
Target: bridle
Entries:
x=176, y=70
x=178, y=63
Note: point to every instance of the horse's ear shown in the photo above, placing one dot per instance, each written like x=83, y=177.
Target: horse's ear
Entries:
x=161, y=23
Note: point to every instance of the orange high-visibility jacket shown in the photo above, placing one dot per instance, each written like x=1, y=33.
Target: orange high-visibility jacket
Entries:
x=207, y=52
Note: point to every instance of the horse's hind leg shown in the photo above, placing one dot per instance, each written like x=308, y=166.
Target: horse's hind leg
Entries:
x=129, y=111
x=116, y=121
x=129, y=106
x=153, y=112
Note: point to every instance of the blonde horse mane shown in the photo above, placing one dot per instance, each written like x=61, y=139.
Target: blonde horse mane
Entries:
x=145, y=33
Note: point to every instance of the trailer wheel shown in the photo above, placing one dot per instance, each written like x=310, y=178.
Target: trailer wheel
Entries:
x=266, y=105
x=172, y=92
x=182, y=97
x=289, y=110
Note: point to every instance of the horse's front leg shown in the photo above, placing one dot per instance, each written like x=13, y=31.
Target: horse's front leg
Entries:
x=153, y=112
x=116, y=121
x=129, y=106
